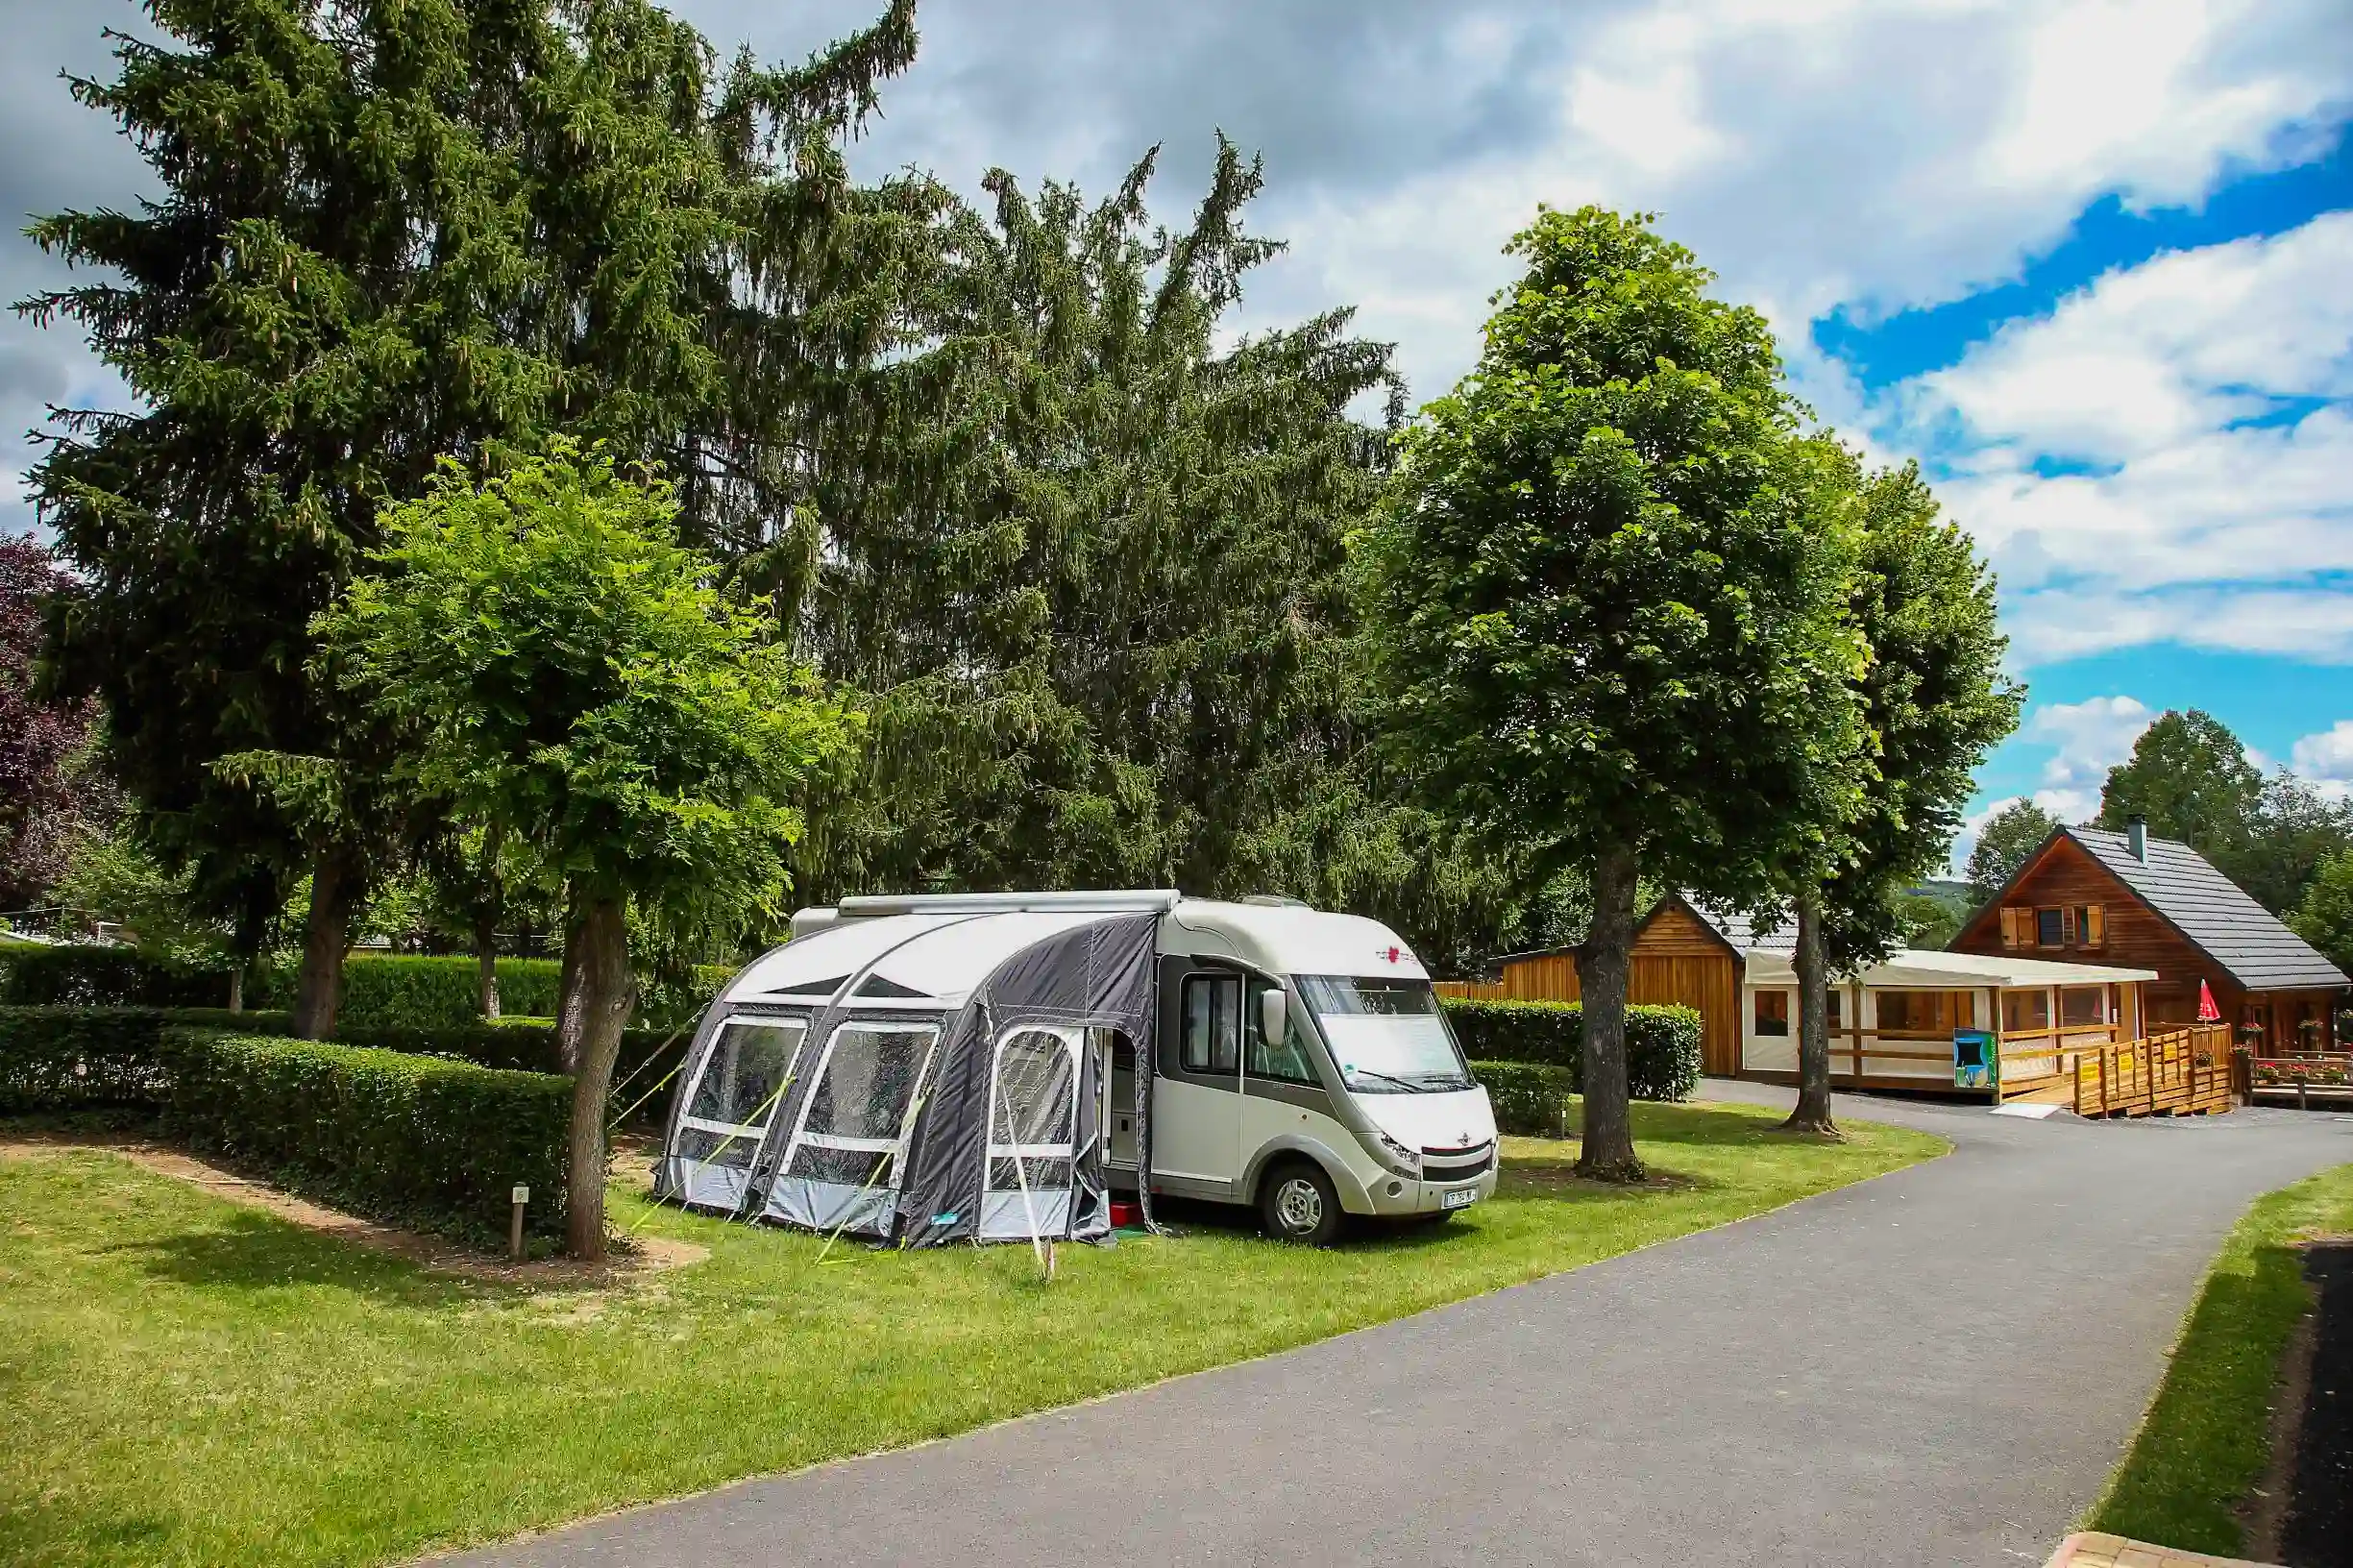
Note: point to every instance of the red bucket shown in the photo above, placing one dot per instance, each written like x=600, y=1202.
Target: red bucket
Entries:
x=1125, y=1215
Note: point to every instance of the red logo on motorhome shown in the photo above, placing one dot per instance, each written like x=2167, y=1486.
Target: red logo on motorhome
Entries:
x=1393, y=955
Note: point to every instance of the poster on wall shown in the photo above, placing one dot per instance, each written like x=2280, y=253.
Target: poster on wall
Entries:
x=1973, y=1059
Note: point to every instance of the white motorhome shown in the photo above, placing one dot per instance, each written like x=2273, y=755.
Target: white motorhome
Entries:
x=966, y=1066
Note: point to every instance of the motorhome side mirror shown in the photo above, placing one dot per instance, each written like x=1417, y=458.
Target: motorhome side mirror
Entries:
x=1274, y=1015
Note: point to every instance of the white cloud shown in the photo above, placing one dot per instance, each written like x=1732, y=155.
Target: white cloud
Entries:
x=2088, y=738
x=2326, y=758
x=2185, y=522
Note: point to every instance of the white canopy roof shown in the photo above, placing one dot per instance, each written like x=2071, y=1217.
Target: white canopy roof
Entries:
x=1917, y=968
x=917, y=960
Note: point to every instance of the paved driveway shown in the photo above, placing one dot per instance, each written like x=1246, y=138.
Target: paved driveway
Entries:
x=1938, y=1366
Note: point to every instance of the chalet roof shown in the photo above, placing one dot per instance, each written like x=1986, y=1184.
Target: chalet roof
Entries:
x=2213, y=912
x=1773, y=934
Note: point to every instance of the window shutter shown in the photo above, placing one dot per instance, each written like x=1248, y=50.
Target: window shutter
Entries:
x=2009, y=926
x=2095, y=923
x=2067, y=927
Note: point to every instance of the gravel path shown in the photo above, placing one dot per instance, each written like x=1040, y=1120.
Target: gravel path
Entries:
x=1940, y=1366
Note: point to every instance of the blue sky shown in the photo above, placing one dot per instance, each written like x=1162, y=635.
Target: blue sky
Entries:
x=2088, y=260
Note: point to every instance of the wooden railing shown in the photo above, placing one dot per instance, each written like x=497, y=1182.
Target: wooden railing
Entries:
x=1472, y=991
x=2178, y=1072
x=2328, y=1074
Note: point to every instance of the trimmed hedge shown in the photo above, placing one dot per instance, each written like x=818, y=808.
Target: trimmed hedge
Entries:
x=1530, y=1100
x=78, y=1058
x=77, y=974
x=418, y=1141
x=1662, y=1044
x=92, y=1058
x=390, y=991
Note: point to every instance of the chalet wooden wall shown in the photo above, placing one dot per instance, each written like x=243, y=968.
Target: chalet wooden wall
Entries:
x=1677, y=962
x=2134, y=935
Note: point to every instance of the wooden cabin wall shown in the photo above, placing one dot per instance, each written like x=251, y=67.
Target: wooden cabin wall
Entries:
x=1677, y=962
x=2134, y=936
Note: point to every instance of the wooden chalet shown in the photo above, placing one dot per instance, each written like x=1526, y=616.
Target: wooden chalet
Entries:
x=2090, y=896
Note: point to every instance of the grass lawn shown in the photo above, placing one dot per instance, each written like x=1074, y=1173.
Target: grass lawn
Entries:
x=2207, y=1437
x=185, y=1381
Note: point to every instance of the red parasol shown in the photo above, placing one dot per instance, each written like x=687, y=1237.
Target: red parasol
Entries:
x=2207, y=1012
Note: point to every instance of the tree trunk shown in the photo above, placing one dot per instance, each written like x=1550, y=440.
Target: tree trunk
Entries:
x=1602, y=966
x=486, y=966
x=318, y=991
x=602, y=1003
x=571, y=1022
x=237, y=988
x=1813, y=1111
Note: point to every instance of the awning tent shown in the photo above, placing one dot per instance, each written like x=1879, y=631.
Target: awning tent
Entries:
x=922, y=1078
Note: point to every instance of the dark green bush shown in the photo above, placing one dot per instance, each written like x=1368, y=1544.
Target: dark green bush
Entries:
x=1662, y=1044
x=393, y=991
x=73, y=974
x=54, y=1059
x=420, y=1141
x=1530, y=1100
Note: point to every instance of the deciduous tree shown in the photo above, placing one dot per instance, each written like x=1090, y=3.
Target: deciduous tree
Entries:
x=1613, y=631
x=47, y=784
x=561, y=669
x=2003, y=843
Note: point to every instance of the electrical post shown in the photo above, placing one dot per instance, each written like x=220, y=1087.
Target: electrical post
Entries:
x=514, y=1223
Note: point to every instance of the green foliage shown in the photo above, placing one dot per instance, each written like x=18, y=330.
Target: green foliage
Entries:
x=1930, y=916
x=415, y=1140
x=1608, y=616
x=1529, y=1100
x=116, y=878
x=71, y=974
x=2008, y=837
x=2326, y=920
x=66, y=1059
x=382, y=232
x=2189, y=776
x=561, y=669
x=1662, y=1044
x=1935, y=701
x=416, y=991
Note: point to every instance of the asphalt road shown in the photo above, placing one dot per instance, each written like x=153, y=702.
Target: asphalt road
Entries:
x=1940, y=1366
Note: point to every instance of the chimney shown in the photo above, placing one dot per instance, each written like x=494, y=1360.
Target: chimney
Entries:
x=2135, y=837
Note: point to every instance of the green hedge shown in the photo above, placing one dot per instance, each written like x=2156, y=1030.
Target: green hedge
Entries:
x=76, y=1058
x=419, y=1140
x=77, y=974
x=1662, y=1044
x=1530, y=1100
x=389, y=991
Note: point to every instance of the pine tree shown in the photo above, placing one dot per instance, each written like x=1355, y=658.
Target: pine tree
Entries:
x=390, y=233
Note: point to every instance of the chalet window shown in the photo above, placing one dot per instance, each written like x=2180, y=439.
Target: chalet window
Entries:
x=2050, y=928
x=1773, y=1013
x=2082, y=1006
x=1917, y=1012
x=2026, y=1012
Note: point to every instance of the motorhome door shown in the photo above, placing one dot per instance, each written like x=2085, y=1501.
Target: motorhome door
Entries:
x=1197, y=1092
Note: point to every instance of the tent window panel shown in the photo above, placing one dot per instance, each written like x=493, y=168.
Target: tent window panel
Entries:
x=1831, y=1000
x=2082, y=1006
x=846, y=1168
x=2026, y=1012
x=1037, y=1090
x=1773, y=1013
x=742, y=1082
x=1212, y=1023
x=1918, y=1012
x=869, y=1081
x=1044, y=1173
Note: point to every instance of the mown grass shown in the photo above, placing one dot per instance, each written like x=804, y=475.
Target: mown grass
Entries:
x=2207, y=1437
x=184, y=1381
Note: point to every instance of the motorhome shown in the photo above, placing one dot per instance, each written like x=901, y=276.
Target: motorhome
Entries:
x=1000, y=1066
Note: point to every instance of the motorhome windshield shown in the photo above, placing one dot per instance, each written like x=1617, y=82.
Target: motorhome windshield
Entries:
x=1387, y=1036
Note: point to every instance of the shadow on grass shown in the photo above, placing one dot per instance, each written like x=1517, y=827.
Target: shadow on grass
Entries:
x=1720, y=1127
x=248, y=1251
x=2206, y=1441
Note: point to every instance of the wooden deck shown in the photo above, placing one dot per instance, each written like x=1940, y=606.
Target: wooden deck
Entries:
x=2176, y=1073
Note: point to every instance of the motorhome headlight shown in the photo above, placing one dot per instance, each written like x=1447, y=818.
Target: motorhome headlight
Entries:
x=1404, y=1160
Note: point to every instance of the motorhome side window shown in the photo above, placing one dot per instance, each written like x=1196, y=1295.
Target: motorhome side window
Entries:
x=1285, y=1059
x=1212, y=1023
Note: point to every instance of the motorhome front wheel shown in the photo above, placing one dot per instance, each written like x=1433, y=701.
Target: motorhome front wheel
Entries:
x=1300, y=1205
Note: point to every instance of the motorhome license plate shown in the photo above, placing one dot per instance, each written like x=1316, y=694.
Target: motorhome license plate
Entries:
x=1462, y=1199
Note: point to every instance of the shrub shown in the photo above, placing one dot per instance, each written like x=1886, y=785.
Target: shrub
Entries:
x=91, y=1058
x=77, y=974
x=1662, y=1044
x=416, y=1139
x=1530, y=1100
x=392, y=991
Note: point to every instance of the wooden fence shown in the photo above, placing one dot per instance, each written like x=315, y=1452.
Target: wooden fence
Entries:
x=2180, y=1072
x=2324, y=1076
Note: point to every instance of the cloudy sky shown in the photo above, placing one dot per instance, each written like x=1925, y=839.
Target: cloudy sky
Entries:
x=2090, y=262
